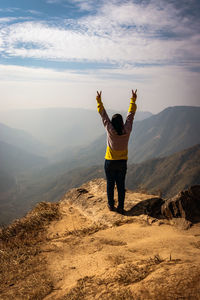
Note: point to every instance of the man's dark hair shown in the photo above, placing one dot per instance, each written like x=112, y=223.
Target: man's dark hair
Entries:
x=117, y=123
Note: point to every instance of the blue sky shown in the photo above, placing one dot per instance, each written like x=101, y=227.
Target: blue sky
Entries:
x=59, y=52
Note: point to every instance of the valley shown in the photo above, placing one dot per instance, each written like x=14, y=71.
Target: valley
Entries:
x=163, y=158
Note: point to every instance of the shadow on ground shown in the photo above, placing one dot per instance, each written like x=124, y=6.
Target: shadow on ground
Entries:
x=150, y=207
x=185, y=204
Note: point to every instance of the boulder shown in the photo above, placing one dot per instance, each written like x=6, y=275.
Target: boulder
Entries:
x=185, y=205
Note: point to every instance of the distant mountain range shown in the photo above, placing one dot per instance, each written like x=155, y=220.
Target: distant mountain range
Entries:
x=27, y=177
x=60, y=128
x=172, y=130
x=19, y=152
x=72, y=135
x=20, y=139
x=14, y=161
x=165, y=175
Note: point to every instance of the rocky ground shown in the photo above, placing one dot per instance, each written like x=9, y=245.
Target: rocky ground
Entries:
x=92, y=253
x=78, y=249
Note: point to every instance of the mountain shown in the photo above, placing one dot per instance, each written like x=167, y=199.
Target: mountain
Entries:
x=7, y=181
x=15, y=167
x=13, y=159
x=60, y=128
x=13, y=162
x=20, y=139
x=76, y=136
x=142, y=115
x=173, y=129
x=29, y=189
x=167, y=175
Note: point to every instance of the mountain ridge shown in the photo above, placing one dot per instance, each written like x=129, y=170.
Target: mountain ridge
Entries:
x=172, y=130
x=162, y=175
x=20, y=139
x=168, y=174
x=59, y=128
x=82, y=163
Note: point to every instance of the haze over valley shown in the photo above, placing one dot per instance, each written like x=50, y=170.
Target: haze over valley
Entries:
x=37, y=167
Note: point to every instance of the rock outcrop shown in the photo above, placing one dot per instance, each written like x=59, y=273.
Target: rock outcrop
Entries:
x=92, y=199
x=185, y=205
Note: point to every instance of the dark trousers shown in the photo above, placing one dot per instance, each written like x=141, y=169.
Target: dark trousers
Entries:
x=115, y=173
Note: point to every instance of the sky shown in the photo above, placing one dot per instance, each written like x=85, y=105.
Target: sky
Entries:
x=58, y=53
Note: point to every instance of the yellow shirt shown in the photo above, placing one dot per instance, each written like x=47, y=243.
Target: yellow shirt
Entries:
x=117, y=145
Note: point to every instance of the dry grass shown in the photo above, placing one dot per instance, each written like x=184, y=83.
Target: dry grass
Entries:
x=196, y=244
x=86, y=231
x=114, y=285
x=132, y=273
x=22, y=267
x=112, y=242
x=116, y=260
x=92, y=287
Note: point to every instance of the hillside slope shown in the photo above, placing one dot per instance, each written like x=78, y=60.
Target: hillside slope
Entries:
x=14, y=160
x=15, y=163
x=81, y=250
x=20, y=139
x=167, y=175
x=173, y=129
x=62, y=127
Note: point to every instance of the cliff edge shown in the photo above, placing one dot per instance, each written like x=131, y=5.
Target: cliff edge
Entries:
x=78, y=249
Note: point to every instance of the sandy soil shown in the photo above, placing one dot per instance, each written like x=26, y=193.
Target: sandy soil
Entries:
x=93, y=253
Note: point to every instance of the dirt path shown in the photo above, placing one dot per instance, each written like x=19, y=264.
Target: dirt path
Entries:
x=93, y=253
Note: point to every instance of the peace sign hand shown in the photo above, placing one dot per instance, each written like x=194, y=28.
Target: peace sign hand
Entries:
x=134, y=95
x=98, y=97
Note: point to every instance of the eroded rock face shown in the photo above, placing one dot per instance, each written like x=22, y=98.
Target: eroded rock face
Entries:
x=185, y=205
x=150, y=207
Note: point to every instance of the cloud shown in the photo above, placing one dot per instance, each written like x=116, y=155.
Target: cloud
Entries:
x=152, y=45
x=9, y=9
x=157, y=87
x=118, y=33
x=7, y=19
x=53, y=1
x=38, y=40
x=85, y=5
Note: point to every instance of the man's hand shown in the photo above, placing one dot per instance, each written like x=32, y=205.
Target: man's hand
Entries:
x=98, y=97
x=134, y=95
